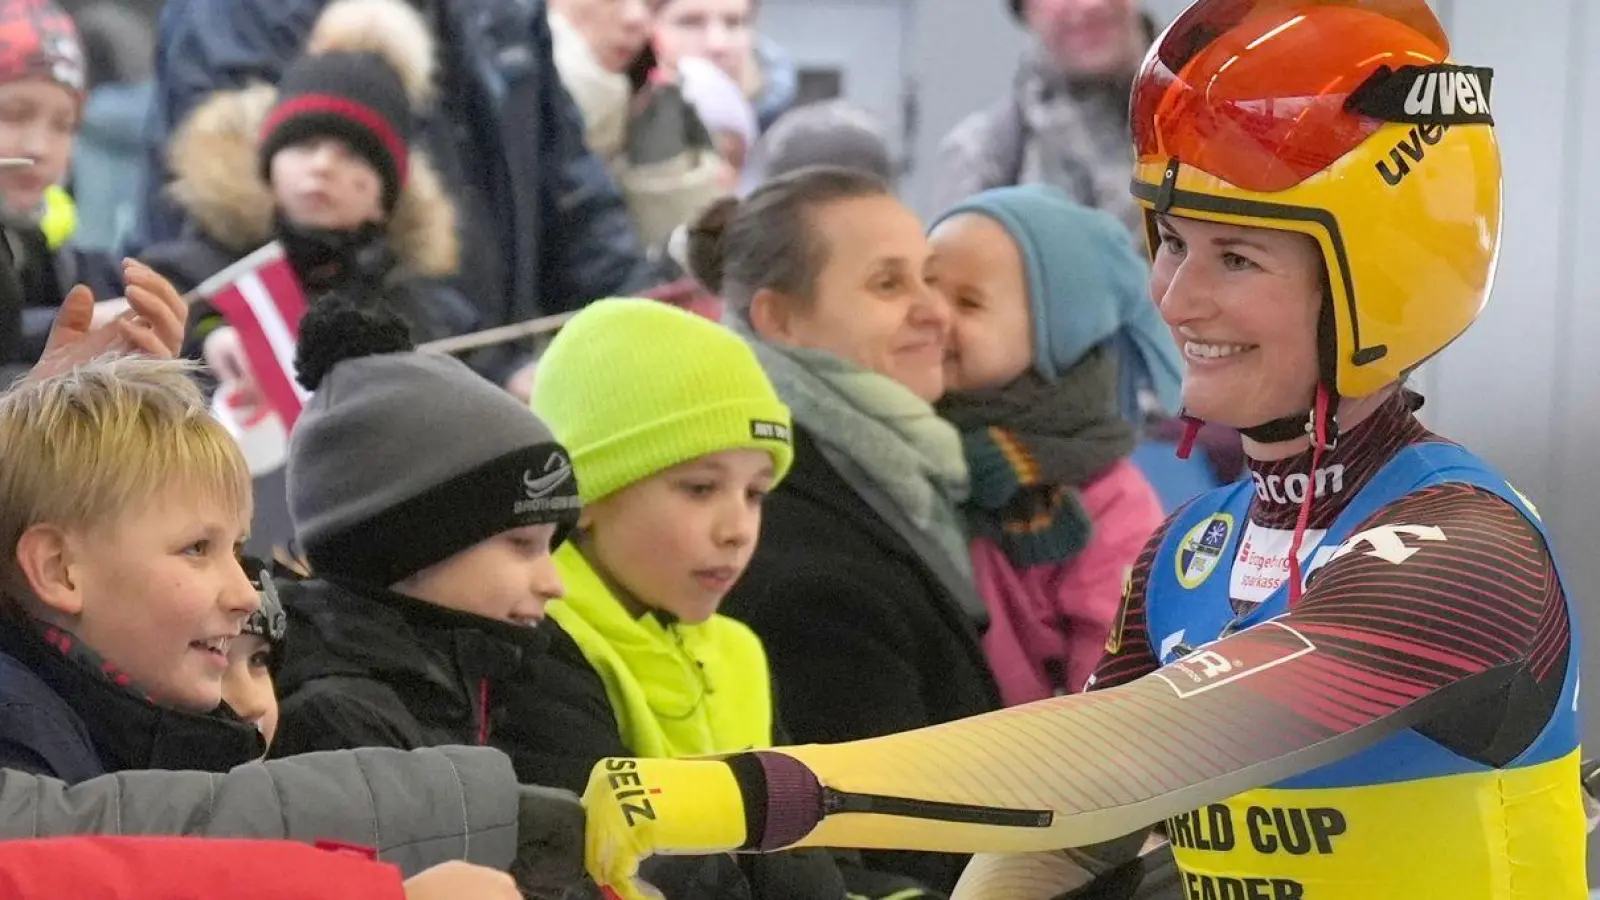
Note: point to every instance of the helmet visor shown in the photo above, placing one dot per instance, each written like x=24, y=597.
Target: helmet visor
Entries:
x=1255, y=92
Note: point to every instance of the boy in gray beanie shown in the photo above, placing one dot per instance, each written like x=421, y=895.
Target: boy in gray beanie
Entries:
x=403, y=461
x=426, y=502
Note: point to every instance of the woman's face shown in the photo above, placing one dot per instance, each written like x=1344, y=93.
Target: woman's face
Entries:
x=871, y=304
x=719, y=30
x=615, y=30
x=1243, y=305
x=977, y=267
x=1090, y=37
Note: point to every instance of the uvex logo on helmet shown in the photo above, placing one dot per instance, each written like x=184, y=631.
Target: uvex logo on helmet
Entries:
x=1429, y=98
x=1441, y=93
x=1438, y=94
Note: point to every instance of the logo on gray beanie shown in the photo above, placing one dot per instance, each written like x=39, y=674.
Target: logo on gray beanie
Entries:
x=540, y=488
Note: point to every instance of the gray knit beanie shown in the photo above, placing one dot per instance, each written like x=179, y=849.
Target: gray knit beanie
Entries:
x=827, y=133
x=403, y=459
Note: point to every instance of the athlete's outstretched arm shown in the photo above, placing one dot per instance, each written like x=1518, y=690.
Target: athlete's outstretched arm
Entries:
x=1049, y=875
x=1106, y=870
x=1441, y=598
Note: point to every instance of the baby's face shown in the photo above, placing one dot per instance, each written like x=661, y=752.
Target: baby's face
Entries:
x=978, y=268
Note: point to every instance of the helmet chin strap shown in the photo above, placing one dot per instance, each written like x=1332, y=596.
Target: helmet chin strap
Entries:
x=1285, y=428
x=1321, y=424
x=1324, y=428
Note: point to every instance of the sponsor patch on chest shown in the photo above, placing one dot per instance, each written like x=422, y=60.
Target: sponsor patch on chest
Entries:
x=1261, y=565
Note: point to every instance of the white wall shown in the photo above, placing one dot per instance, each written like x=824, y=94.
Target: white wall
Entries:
x=963, y=53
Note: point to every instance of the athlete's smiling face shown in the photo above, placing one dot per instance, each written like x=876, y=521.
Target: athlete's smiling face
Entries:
x=1243, y=304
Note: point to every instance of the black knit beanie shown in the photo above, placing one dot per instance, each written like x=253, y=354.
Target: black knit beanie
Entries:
x=403, y=459
x=357, y=97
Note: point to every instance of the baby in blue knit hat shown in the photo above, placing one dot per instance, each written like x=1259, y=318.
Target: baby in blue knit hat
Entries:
x=1054, y=343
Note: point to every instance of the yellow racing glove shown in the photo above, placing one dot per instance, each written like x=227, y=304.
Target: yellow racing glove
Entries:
x=639, y=807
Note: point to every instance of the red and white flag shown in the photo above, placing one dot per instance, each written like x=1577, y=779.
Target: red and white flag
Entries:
x=261, y=298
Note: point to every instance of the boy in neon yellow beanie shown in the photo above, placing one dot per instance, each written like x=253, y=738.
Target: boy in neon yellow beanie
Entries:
x=676, y=436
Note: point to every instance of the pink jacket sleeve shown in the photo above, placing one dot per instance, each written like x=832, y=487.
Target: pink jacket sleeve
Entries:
x=1088, y=590
x=1057, y=616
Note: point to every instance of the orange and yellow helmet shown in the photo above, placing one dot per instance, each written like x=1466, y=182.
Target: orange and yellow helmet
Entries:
x=1345, y=120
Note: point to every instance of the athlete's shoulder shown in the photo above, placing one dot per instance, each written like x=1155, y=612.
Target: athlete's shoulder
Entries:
x=1450, y=516
x=1452, y=540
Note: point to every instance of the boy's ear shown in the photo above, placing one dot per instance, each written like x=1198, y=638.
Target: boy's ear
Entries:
x=45, y=559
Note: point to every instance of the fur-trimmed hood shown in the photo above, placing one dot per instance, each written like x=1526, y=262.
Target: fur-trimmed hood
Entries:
x=214, y=159
x=216, y=181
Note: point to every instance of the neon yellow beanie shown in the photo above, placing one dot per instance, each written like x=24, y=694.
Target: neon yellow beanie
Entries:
x=631, y=387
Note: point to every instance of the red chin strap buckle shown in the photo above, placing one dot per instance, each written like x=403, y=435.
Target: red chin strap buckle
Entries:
x=1191, y=430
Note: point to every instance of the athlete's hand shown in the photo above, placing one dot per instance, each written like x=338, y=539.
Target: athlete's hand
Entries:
x=640, y=807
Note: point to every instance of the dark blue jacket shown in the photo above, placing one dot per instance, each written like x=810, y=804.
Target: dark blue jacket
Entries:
x=39, y=732
x=544, y=229
x=60, y=718
x=31, y=295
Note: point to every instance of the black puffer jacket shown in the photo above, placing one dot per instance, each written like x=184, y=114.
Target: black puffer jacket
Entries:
x=864, y=639
x=372, y=668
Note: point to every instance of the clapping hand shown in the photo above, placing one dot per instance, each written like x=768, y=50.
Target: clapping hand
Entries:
x=152, y=324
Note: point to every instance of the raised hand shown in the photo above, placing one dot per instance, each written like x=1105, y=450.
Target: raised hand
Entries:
x=152, y=324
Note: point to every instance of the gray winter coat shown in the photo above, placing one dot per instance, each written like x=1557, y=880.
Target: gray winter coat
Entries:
x=417, y=808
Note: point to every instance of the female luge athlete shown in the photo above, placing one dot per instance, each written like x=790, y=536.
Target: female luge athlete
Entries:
x=1349, y=678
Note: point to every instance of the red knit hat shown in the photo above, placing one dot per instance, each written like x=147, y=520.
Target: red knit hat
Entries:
x=39, y=40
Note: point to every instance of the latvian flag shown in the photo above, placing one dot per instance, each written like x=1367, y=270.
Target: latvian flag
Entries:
x=260, y=297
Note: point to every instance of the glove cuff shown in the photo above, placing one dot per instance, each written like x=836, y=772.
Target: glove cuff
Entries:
x=782, y=799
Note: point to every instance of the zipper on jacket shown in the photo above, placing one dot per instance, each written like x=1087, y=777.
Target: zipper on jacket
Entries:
x=834, y=801
x=483, y=712
x=698, y=666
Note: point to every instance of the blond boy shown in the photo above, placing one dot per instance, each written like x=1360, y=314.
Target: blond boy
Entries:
x=124, y=508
